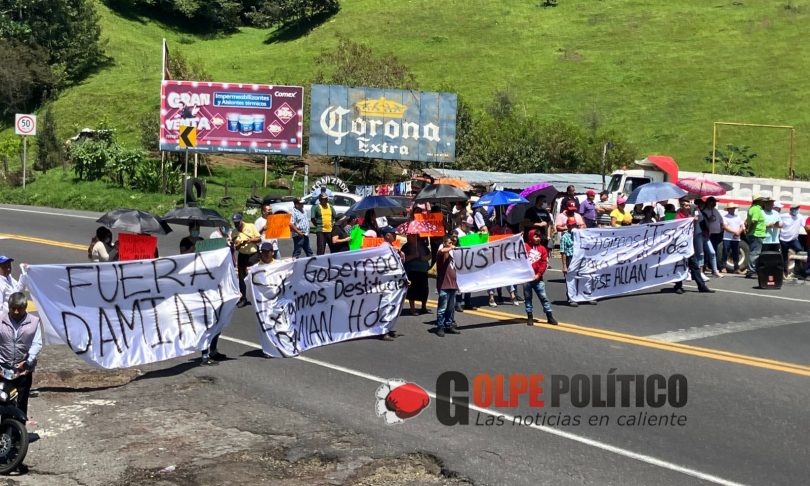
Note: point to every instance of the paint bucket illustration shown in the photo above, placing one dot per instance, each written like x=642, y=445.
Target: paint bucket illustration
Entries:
x=245, y=124
x=258, y=123
x=233, y=122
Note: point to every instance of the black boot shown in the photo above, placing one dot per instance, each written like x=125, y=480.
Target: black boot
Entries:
x=529, y=319
x=551, y=319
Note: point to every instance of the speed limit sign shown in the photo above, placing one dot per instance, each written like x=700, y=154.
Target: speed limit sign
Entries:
x=25, y=124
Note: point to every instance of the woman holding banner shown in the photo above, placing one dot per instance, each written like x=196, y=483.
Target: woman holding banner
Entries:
x=417, y=263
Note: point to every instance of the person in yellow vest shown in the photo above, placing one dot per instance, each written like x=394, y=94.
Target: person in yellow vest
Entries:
x=245, y=238
x=323, y=221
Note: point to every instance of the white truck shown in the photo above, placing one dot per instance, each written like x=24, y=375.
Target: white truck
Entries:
x=658, y=168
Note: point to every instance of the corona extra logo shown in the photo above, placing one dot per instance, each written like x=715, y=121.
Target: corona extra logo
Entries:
x=382, y=108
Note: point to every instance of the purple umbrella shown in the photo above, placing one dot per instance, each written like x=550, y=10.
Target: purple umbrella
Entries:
x=516, y=212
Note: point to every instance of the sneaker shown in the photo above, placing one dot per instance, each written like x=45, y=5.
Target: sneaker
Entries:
x=705, y=278
x=515, y=302
x=386, y=337
x=208, y=362
x=679, y=291
x=459, y=309
x=492, y=303
x=440, y=332
x=452, y=330
x=571, y=303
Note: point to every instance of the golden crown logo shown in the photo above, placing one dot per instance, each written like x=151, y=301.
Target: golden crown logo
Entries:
x=381, y=108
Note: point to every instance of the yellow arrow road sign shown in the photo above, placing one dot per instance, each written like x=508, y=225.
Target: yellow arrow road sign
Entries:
x=188, y=136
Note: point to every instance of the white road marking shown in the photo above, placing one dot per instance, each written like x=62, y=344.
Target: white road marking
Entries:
x=549, y=430
x=710, y=330
x=49, y=213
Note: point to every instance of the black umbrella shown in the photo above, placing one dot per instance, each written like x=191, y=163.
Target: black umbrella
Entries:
x=134, y=221
x=440, y=192
x=201, y=216
x=382, y=206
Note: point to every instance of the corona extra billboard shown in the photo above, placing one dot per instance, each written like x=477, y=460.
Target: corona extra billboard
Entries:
x=383, y=123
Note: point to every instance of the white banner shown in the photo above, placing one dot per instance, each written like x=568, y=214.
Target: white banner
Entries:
x=614, y=261
x=122, y=314
x=310, y=302
x=491, y=265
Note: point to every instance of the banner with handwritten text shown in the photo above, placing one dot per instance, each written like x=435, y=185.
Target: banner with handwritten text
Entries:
x=614, y=261
x=491, y=265
x=121, y=314
x=310, y=302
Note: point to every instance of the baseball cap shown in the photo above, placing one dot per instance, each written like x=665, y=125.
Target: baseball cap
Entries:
x=621, y=200
x=5, y=259
x=777, y=204
x=590, y=192
x=237, y=217
x=267, y=246
x=571, y=205
x=795, y=204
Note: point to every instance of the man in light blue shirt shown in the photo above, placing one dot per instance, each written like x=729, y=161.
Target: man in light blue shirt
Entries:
x=773, y=221
x=299, y=226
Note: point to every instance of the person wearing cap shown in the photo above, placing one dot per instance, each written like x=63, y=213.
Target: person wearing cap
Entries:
x=733, y=228
x=603, y=209
x=587, y=209
x=20, y=344
x=267, y=254
x=299, y=228
x=261, y=226
x=341, y=233
x=620, y=216
x=323, y=216
x=245, y=240
x=792, y=223
x=8, y=284
x=756, y=229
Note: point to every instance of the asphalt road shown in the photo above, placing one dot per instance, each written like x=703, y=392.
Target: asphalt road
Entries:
x=744, y=352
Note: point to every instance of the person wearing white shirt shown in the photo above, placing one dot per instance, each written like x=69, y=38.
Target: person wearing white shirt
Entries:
x=792, y=223
x=8, y=284
x=261, y=225
x=733, y=228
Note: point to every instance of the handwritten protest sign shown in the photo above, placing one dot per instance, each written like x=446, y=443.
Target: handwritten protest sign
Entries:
x=491, y=265
x=209, y=245
x=136, y=247
x=436, y=219
x=121, y=314
x=278, y=226
x=310, y=302
x=372, y=242
x=614, y=261
x=472, y=239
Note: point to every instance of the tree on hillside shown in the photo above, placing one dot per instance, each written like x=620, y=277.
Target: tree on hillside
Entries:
x=293, y=16
x=203, y=16
x=25, y=77
x=68, y=30
x=733, y=160
x=49, y=150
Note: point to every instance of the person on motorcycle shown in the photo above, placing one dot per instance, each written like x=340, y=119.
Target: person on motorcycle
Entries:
x=20, y=344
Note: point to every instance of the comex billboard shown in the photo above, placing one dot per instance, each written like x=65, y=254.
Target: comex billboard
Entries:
x=383, y=123
x=232, y=117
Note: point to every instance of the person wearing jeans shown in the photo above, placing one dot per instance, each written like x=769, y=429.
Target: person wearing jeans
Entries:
x=299, y=226
x=447, y=286
x=756, y=228
x=733, y=229
x=538, y=257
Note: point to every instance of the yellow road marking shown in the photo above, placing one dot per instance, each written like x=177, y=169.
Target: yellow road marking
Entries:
x=714, y=354
x=42, y=241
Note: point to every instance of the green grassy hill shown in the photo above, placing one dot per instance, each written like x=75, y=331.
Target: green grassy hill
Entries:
x=659, y=72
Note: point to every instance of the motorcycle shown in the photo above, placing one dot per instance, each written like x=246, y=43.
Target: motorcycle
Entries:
x=13, y=434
